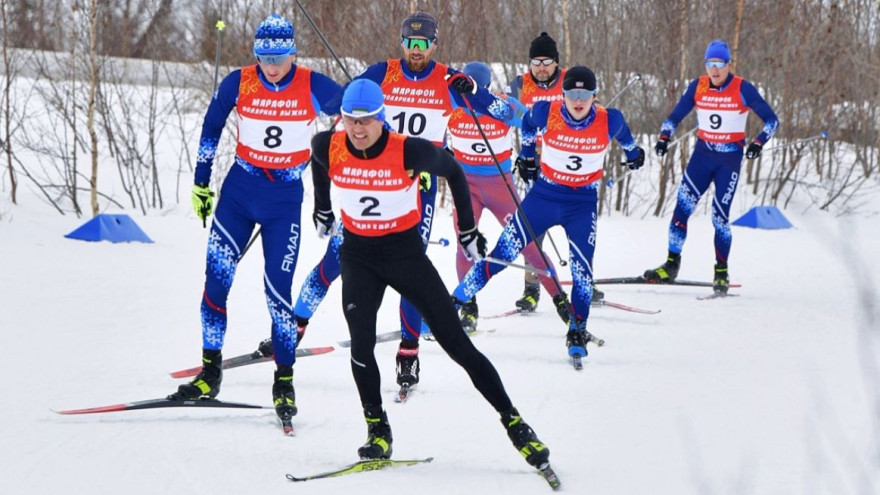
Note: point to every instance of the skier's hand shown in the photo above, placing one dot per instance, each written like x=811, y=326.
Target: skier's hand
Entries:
x=638, y=161
x=753, y=151
x=474, y=244
x=202, y=201
x=527, y=169
x=462, y=83
x=325, y=222
x=425, y=181
x=662, y=146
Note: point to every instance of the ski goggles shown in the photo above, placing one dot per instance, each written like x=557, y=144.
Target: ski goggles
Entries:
x=578, y=94
x=542, y=61
x=420, y=43
x=272, y=59
x=715, y=64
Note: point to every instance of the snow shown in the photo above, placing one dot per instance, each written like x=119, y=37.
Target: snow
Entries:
x=774, y=391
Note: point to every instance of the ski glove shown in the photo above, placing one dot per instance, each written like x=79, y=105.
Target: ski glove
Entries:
x=638, y=161
x=202, y=201
x=753, y=151
x=425, y=181
x=662, y=146
x=474, y=244
x=325, y=222
x=527, y=169
x=462, y=83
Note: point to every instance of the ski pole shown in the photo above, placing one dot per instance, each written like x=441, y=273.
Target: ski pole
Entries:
x=821, y=135
x=324, y=40
x=220, y=26
x=443, y=242
x=638, y=77
x=521, y=267
x=628, y=172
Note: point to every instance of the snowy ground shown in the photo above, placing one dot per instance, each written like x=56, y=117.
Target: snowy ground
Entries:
x=774, y=391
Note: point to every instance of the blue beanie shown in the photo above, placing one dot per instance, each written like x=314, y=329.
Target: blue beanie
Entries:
x=718, y=49
x=479, y=72
x=363, y=98
x=275, y=36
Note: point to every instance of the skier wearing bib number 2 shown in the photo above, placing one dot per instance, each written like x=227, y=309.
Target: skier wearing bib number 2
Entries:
x=420, y=96
x=723, y=101
x=277, y=103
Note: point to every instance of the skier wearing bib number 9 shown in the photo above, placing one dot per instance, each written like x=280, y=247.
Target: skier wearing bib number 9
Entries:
x=420, y=96
x=277, y=103
x=723, y=101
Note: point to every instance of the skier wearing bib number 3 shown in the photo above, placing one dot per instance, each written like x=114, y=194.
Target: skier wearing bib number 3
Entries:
x=277, y=103
x=420, y=96
x=723, y=102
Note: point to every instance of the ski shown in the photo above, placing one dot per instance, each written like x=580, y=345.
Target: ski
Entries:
x=360, y=467
x=404, y=393
x=470, y=333
x=550, y=476
x=716, y=295
x=162, y=403
x=624, y=307
x=252, y=358
x=287, y=427
x=509, y=313
x=380, y=337
x=643, y=281
x=576, y=362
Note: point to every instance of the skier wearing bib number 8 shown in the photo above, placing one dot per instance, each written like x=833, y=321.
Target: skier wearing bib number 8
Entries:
x=277, y=103
x=723, y=102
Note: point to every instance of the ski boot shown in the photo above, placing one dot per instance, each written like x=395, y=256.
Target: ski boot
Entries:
x=265, y=348
x=283, y=395
x=529, y=300
x=577, y=338
x=378, y=445
x=469, y=313
x=721, y=282
x=524, y=439
x=666, y=272
x=560, y=301
x=408, y=363
x=598, y=296
x=207, y=383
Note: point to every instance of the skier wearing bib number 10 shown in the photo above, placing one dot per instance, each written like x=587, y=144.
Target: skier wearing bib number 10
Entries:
x=277, y=103
x=723, y=101
x=420, y=96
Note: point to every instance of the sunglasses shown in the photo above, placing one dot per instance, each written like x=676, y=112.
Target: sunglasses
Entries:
x=420, y=43
x=352, y=121
x=272, y=59
x=717, y=64
x=578, y=94
x=542, y=61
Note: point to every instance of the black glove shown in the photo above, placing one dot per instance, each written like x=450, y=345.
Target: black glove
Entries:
x=753, y=151
x=474, y=244
x=638, y=161
x=527, y=169
x=325, y=221
x=662, y=146
x=462, y=83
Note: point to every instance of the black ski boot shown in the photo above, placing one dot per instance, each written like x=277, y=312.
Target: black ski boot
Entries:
x=265, y=347
x=524, y=439
x=283, y=395
x=666, y=272
x=598, y=296
x=378, y=445
x=721, y=282
x=207, y=382
x=469, y=313
x=577, y=338
x=529, y=300
x=408, y=362
x=560, y=301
